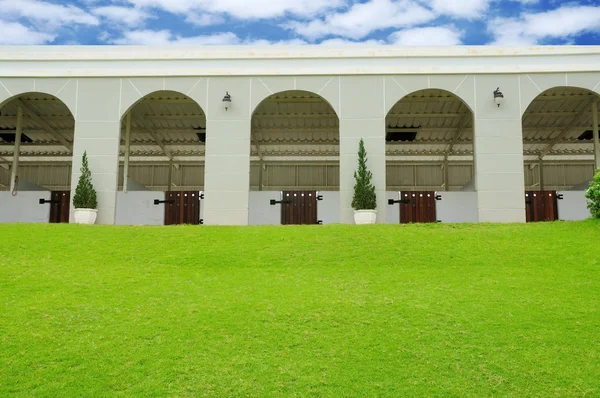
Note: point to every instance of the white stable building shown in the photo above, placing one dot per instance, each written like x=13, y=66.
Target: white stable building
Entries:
x=269, y=135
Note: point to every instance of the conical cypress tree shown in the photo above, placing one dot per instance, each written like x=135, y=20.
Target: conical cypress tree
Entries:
x=364, y=192
x=85, y=194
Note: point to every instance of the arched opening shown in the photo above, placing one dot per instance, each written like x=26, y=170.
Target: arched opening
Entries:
x=294, y=160
x=429, y=159
x=36, y=149
x=559, y=153
x=161, y=175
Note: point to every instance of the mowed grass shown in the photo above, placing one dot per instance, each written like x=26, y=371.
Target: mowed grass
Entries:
x=325, y=311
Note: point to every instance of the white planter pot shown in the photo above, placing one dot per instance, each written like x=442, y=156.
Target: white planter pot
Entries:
x=365, y=216
x=85, y=216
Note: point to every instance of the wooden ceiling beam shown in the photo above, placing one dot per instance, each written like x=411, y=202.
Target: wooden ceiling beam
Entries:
x=565, y=130
x=40, y=121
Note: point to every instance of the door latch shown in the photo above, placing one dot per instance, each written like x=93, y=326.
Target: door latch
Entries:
x=44, y=201
x=273, y=202
x=393, y=202
x=157, y=201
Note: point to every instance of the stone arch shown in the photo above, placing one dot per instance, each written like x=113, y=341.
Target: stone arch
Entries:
x=326, y=87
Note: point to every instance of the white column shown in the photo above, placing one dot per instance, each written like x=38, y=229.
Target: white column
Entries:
x=127, y=150
x=362, y=115
x=17, y=150
x=98, y=132
x=227, y=160
x=498, y=146
x=596, y=138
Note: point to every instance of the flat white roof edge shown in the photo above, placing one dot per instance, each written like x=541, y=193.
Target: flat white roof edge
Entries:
x=175, y=52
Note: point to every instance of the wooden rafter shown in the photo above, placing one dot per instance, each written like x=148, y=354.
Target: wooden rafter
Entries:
x=39, y=120
x=566, y=129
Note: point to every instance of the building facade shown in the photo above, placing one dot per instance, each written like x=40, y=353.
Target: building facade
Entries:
x=430, y=119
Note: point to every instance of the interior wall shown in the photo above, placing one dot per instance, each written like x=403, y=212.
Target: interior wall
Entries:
x=572, y=206
x=260, y=211
x=558, y=176
x=427, y=176
x=456, y=207
x=296, y=177
x=138, y=208
x=328, y=209
x=24, y=207
x=392, y=212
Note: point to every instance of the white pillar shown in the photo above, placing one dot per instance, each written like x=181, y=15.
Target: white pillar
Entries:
x=127, y=148
x=498, y=146
x=227, y=159
x=98, y=132
x=17, y=150
x=596, y=138
x=362, y=115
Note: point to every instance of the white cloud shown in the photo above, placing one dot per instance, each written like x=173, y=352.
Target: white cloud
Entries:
x=15, y=33
x=50, y=15
x=531, y=28
x=344, y=42
x=164, y=37
x=427, y=36
x=122, y=15
x=469, y=9
x=364, y=18
x=243, y=9
x=203, y=19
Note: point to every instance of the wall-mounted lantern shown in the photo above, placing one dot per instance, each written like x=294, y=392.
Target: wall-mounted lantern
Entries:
x=498, y=97
x=227, y=101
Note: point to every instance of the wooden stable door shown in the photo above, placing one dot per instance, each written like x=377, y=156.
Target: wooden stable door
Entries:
x=182, y=207
x=541, y=206
x=60, y=203
x=417, y=207
x=299, y=207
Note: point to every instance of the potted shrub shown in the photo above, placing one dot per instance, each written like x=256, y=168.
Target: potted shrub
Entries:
x=84, y=201
x=364, y=200
x=593, y=195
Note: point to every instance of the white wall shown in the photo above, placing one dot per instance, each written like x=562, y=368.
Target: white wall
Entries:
x=328, y=209
x=260, y=211
x=573, y=206
x=392, y=212
x=371, y=84
x=138, y=208
x=456, y=207
x=24, y=207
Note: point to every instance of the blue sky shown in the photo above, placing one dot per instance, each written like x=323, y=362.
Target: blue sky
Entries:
x=328, y=22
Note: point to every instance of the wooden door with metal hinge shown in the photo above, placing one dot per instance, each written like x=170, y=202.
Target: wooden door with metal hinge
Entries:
x=541, y=206
x=417, y=207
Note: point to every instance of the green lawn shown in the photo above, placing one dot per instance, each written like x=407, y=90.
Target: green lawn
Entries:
x=422, y=310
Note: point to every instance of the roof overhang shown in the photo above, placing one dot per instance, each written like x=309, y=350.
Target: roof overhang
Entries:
x=117, y=61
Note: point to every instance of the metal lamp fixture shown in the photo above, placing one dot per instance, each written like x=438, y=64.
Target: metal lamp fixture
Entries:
x=498, y=97
x=227, y=101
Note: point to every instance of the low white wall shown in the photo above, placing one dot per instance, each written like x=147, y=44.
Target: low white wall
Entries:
x=24, y=207
x=392, y=212
x=138, y=208
x=572, y=206
x=260, y=211
x=328, y=209
x=456, y=207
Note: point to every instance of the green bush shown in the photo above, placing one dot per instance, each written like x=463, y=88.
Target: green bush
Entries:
x=593, y=195
x=85, y=194
x=364, y=192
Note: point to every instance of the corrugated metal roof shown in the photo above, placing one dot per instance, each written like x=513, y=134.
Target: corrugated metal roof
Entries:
x=299, y=123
